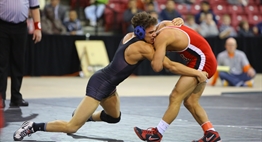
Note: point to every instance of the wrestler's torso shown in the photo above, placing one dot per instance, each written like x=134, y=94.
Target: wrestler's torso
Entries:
x=193, y=48
x=104, y=81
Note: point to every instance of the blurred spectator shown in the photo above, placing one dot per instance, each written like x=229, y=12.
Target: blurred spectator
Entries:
x=79, y=6
x=238, y=2
x=170, y=12
x=149, y=4
x=208, y=27
x=154, y=14
x=129, y=13
x=95, y=11
x=75, y=4
x=190, y=22
x=73, y=24
x=225, y=29
x=244, y=30
x=30, y=24
x=258, y=29
x=189, y=3
x=58, y=9
x=204, y=9
x=140, y=4
x=241, y=73
x=50, y=25
x=185, y=1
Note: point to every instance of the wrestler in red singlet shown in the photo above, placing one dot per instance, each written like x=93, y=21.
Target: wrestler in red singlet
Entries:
x=198, y=53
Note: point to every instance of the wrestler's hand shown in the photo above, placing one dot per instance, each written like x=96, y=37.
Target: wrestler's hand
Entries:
x=178, y=21
x=202, y=77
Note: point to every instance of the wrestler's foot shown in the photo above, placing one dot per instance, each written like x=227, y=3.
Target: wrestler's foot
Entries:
x=25, y=130
x=149, y=135
x=210, y=136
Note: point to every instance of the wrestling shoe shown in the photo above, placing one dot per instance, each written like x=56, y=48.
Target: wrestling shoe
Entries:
x=25, y=130
x=210, y=136
x=149, y=135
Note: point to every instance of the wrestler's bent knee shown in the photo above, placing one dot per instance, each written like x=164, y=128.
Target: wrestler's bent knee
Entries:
x=109, y=119
x=187, y=104
x=72, y=128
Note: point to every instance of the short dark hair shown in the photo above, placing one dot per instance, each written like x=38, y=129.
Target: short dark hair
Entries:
x=143, y=19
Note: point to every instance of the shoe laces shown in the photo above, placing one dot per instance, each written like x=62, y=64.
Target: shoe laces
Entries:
x=150, y=131
x=26, y=132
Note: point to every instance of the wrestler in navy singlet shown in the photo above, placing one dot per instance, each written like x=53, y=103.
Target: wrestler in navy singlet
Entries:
x=103, y=82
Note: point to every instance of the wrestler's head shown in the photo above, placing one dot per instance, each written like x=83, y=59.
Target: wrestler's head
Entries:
x=144, y=26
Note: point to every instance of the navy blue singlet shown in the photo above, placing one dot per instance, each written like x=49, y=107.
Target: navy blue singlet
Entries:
x=103, y=82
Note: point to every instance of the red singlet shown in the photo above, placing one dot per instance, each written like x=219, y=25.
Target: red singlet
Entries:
x=198, y=54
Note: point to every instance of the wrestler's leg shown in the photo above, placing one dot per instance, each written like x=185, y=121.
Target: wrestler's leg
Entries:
x=192, y=104
x=84, y=110
x=111, y=106
x=183, y=88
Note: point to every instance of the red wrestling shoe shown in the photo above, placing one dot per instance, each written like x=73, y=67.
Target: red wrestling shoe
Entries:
x=210, y=136
x=149, y=135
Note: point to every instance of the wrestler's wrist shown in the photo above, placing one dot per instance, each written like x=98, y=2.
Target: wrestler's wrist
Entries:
x=37, y=25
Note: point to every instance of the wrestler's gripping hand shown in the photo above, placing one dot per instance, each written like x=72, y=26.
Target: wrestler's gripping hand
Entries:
x=202, y=77
x=178, y=21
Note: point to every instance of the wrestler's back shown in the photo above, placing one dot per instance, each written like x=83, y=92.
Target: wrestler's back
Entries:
x=177, y=39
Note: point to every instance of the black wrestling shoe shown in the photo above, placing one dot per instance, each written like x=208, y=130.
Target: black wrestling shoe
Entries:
x=18, y=103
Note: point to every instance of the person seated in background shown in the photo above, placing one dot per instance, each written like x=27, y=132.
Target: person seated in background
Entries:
x=95, y=11
x=50, y=25
x=154, y=14
x=151, y=5
x=208, y=27
x=204, y=9
x=244, y=30
x=190, y=22
x=73, y=24
x=240, y=73
x=258, y=28
x=169, y=12
x=129, y=13
x=188, y=3
x=58, y=9
x=225, y=29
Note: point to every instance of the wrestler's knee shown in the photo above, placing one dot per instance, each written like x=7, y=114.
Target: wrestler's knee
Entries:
x=72, y=127
x=109, y=119
x=190, y=104
x=176, y=96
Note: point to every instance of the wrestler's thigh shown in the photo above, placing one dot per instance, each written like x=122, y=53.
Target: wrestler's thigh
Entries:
x=185, y=85
x=85, y=109
x=197, y=92
x=111, y=105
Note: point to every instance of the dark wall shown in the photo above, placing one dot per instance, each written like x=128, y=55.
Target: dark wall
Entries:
x=57, y=55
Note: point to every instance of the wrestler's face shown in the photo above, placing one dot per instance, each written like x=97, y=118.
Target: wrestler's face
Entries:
x=150, y=34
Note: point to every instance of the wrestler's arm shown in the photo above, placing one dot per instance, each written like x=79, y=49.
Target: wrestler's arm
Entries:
x=175, y=67
x=178, y=68
x=178, y=21
x=160, y=52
